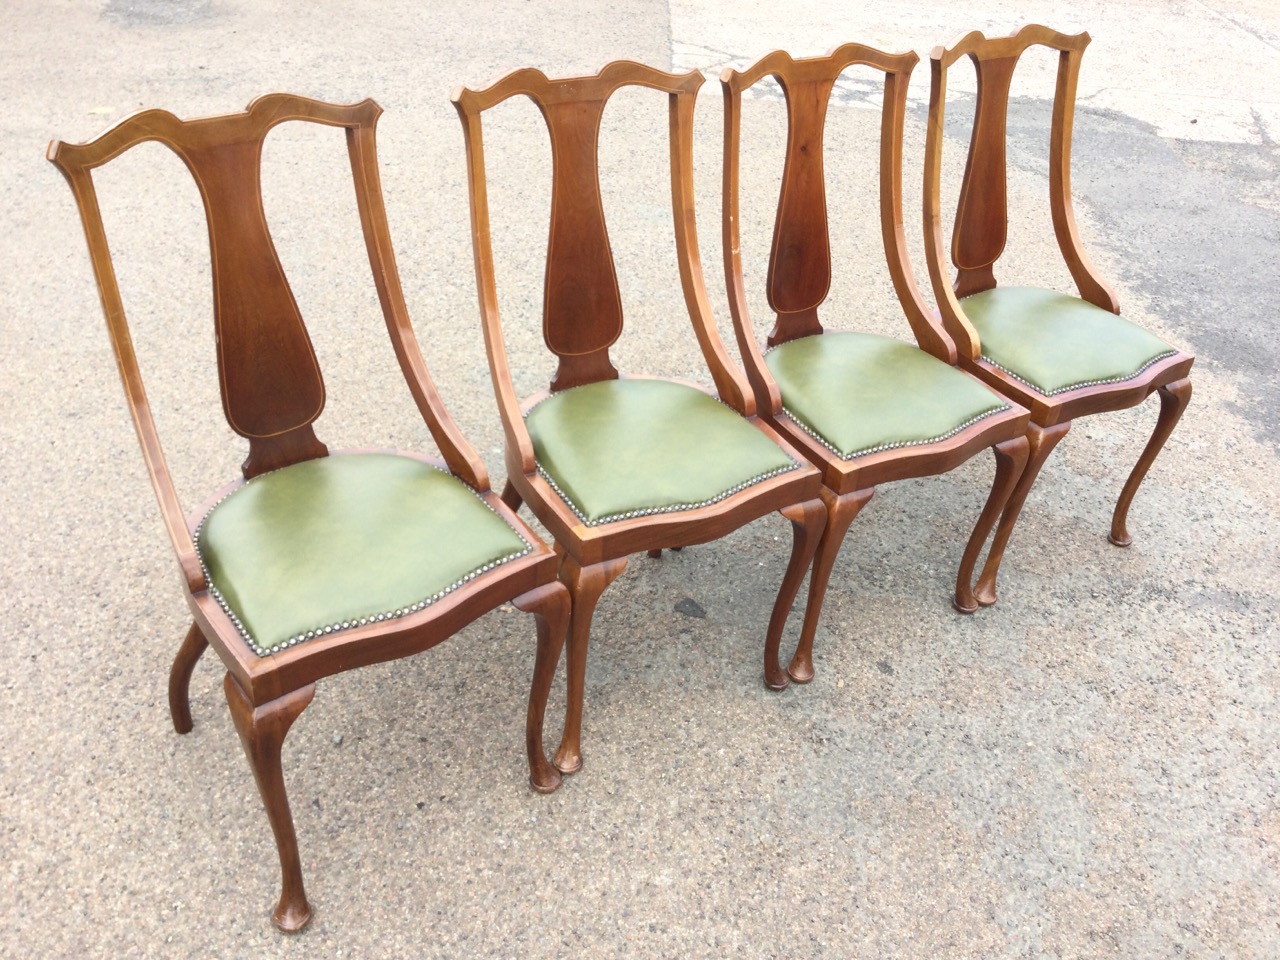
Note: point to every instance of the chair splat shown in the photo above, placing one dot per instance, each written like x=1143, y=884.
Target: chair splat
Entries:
x=582, y=306
x=800, y=260
x=982, y=212
x=267, y=368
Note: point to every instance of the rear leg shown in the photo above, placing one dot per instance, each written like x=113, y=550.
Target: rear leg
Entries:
x=193, y=645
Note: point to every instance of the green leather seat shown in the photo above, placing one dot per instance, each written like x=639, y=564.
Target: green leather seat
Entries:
x=858, y=393
x=1053, y=342
x=340, y=541
x=622, y=448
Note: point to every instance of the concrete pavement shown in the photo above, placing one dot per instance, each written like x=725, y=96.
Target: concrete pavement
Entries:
x=1088, y=769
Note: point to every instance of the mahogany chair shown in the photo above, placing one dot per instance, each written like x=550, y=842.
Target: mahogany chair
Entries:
x=1061, y=356
x=866, y=409
x=612, y=464
x=312, y=563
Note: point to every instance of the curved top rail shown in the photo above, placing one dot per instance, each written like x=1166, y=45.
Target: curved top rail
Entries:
x=981, y=47
x=260, y=116
x=536, y=85
x=782, y=65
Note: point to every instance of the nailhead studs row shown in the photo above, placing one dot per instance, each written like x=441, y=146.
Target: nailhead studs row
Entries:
x=1000, y=408
x=670, y=508
x=1082, y=383
x=327, y=629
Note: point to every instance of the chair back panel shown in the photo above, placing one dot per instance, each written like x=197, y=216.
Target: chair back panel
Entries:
x=269, y=378
x=582, y=305
x=982, y=212
x=800, y=259
x=980, y=229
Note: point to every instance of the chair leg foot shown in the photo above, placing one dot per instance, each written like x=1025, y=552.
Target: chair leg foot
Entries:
x=841, y=511
x=184, y=664
x=1173, y=401
x=549, y=605
x=807, y=522
x=585, y=584
x=1011, y=460
x=1041, y=441
x=262, y=730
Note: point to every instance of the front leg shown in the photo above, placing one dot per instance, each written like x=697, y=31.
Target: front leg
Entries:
x=1173, y=401
x=1011, y=460
x=262, y=731
x=1041, y=441
x=841, y=511
x=807, y=522
x=550, y=607
x=585, y=584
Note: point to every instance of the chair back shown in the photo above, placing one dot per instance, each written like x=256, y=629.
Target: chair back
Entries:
x=980, y=229
x=582, y=307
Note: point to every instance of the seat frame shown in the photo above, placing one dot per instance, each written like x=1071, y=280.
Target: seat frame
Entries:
x=273, y=406
x=799, y=279
x=978, y=238
x=582, y=318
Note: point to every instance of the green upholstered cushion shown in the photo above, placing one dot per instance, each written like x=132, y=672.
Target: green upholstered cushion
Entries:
x=340, y=541
x=622, y=448
x=858, y=393
x=1054, y=343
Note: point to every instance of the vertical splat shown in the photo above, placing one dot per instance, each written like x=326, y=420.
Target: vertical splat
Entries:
x=270, y=380
x=582, y=306
x=982, y=214
x=800, y=261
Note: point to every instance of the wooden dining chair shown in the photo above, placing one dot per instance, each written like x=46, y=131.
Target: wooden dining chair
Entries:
x=1061, y=356
x=612, y=464
x=866, y=409
x=312, y=563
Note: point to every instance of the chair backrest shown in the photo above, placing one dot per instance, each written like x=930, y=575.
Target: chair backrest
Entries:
x=799, y=275
x=272, y=390
x=980, y=229
x=582, y=308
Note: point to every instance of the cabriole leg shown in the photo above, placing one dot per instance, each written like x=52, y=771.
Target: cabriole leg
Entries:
x=841, y=511
x=262, y=731
x=807, y=522
x=1041, y=441
x=585, y=584
x=1011, y=459
x=550, y=607
x=193, y=645
x=1173, y=401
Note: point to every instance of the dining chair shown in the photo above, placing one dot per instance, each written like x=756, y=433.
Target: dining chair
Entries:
x=1062, y=356
x=866, y=409
x=311, y=563
x=617, y=464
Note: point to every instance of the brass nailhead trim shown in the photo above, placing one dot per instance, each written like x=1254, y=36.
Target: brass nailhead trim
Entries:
x=1082, y=383
x=896, y=443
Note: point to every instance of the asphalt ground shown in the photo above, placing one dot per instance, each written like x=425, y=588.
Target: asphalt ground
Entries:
x=1087, y=769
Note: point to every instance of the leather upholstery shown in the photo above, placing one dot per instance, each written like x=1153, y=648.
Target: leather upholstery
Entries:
x=343, y=538
x=618, y=448
x=1053, y=342
x=858, y=393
